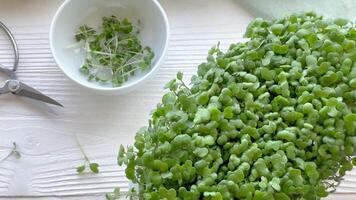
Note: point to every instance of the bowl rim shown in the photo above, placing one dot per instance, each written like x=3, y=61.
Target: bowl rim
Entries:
x=124, y=87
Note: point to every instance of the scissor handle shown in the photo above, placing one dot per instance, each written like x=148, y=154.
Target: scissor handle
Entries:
x=14, y=45
x=10, y=73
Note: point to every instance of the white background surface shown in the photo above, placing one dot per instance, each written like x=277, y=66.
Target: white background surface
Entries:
x=45, y=134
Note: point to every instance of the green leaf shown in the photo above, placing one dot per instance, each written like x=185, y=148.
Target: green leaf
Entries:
x=201, y=152
x=275, y=184
x=280, y=49
x=121, y=159
x=169, y=98
x=94, y=167
x=202, y=115
x=81, y=169
x=172, y=85
x=179, y=75
x=117, y=191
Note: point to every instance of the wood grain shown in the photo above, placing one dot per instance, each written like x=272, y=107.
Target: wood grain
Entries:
x=45, y=134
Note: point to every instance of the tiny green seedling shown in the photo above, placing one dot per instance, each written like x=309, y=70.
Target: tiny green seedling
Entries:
x=93, y=167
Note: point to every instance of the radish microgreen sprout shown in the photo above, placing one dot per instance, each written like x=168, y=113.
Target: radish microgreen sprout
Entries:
x=94, y=167
x=270, y=118
x=113, y=53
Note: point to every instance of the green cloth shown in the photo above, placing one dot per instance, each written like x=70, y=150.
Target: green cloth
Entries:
x=278, y=8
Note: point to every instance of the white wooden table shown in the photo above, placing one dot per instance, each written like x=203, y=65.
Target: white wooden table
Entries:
x=45, y=134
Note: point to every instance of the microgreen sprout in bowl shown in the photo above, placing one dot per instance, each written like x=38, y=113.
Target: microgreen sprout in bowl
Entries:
x=113, y=53
x=109, y=47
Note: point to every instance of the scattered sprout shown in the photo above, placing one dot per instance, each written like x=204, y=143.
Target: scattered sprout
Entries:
x=93, y=167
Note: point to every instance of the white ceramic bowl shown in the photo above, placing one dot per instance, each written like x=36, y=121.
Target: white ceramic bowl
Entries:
x=154, y=32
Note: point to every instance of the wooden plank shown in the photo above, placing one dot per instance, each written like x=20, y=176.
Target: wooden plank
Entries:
x=45, y=134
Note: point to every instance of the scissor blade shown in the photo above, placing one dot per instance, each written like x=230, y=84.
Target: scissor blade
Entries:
x=29, y=92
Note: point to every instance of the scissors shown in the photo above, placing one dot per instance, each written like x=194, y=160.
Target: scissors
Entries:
x=13, y=85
